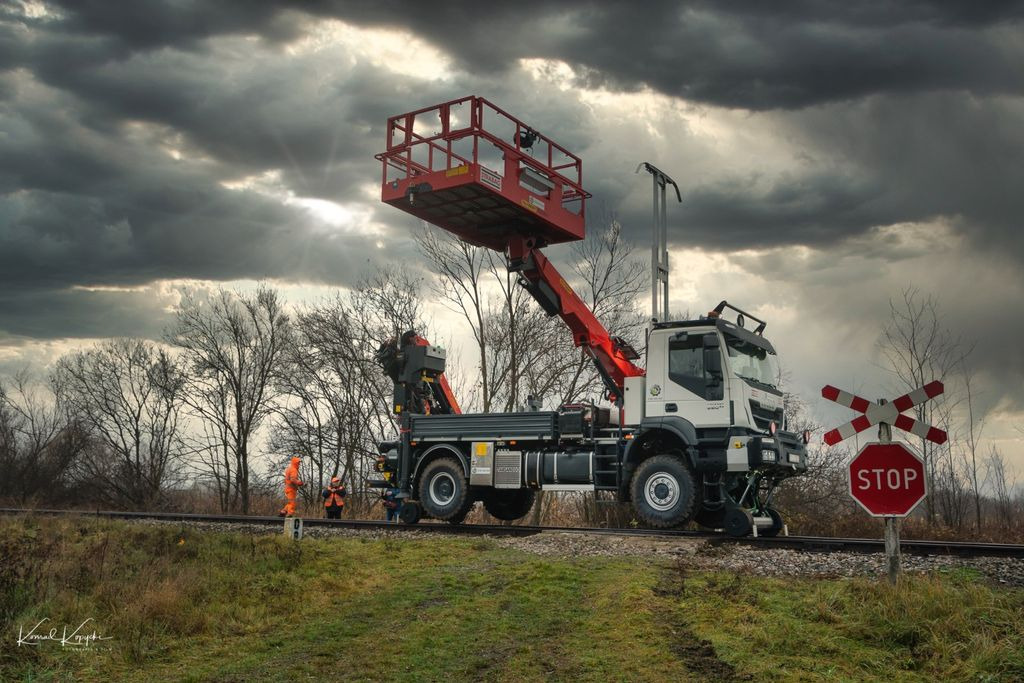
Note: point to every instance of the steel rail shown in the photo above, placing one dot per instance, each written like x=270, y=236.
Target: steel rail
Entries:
x=804, y=543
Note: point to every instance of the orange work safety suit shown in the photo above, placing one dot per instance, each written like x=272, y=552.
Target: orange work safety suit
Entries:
x=291, y=487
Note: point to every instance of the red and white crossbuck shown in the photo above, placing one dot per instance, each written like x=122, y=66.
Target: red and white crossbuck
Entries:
x=890, y=413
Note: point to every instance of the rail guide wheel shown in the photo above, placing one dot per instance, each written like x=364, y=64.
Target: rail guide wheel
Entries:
x=738, y=522
x=410, y=512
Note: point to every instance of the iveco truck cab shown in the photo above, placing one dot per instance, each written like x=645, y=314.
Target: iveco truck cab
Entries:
x=715, y=383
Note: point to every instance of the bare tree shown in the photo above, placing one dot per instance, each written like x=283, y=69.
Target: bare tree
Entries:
x=128, y=392
x=459, y=267
x=612, y=278
x=817, y=501
x=39, y=440
x=975, y=427
x=1000, y=483
x=337, y=405
x=918, y=349
x=232, y=345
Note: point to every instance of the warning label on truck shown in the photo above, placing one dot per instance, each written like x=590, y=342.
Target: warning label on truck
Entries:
x=489, y=177
x=532, y=203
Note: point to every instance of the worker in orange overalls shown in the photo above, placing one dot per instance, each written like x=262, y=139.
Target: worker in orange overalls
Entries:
x=334, y=498
x=291, y=487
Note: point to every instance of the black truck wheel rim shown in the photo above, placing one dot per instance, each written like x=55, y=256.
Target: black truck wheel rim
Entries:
x=442, y=489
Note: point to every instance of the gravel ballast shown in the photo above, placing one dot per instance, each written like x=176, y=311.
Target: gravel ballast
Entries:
x=695, y=553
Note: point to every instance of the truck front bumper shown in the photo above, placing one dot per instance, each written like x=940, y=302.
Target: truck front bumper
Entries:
x=782, y=455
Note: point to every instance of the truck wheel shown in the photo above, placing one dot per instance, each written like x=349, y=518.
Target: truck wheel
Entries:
x=663, y=492
x=509, y=504
x=443, y=490
x=460, y=516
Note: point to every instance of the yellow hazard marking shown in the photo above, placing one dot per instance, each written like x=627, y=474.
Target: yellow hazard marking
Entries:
x=458, y=170
x=481, y=449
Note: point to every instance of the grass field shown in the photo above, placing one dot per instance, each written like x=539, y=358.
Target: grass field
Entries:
x=178, y=604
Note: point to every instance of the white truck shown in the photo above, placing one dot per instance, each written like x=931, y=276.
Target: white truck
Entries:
x=698, y=435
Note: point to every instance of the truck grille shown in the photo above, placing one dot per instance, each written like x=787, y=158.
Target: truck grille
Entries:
x=508, y=469
x=763, y=416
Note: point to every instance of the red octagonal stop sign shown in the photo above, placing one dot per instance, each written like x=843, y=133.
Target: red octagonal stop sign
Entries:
x=887, y=479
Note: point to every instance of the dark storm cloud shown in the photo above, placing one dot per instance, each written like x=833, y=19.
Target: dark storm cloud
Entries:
x=932, y=156
x=84, y=206
x=95, y=94
x=80, y=313
x=748, y=54
x=883, y=161
x=736, y=213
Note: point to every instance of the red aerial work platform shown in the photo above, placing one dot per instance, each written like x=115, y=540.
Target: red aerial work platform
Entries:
x=474, y=170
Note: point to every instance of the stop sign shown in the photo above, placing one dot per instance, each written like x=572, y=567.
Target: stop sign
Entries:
x=887, y=479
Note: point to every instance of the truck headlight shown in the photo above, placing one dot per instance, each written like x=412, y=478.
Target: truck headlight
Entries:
x=768, y=456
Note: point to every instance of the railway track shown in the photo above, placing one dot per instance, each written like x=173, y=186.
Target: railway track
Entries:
x=805, y=543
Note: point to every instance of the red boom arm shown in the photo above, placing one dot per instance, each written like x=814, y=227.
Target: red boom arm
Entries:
x=612, y=355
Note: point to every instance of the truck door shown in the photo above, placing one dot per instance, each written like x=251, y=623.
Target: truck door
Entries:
x=690, y=379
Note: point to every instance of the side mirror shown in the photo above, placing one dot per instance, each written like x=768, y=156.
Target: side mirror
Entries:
x=713, y=368
x=713, y=364
x=712, y=356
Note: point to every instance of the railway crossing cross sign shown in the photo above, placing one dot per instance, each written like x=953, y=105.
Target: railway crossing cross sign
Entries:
x=889, y=413
x=887, y=479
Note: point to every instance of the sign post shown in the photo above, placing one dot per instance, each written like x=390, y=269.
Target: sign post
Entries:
x=892, y=527
x=887, y=479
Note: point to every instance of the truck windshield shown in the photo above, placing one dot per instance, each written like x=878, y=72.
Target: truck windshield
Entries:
x=752, y=363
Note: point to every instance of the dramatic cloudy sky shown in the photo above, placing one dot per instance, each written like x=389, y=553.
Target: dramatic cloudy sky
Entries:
x=830, y=154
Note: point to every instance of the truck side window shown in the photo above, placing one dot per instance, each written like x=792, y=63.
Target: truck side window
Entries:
x=686, y=364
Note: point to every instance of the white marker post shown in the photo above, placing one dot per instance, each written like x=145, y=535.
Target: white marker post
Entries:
x=293, y=528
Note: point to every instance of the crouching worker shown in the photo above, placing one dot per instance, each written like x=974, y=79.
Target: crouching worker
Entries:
x=291, y=487
x=334, y=498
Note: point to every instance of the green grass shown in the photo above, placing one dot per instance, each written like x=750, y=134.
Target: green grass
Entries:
x=193, y=606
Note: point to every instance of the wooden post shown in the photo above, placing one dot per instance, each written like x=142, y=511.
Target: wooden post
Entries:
x=892, y=548
x=892, y=528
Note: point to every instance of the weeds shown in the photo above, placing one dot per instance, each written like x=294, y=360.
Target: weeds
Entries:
x=215, y=606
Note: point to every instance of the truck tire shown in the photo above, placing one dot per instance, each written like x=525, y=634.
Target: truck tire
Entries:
x=459, y=518
x=663, y=492
x=444, y=492
x=509, y=504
